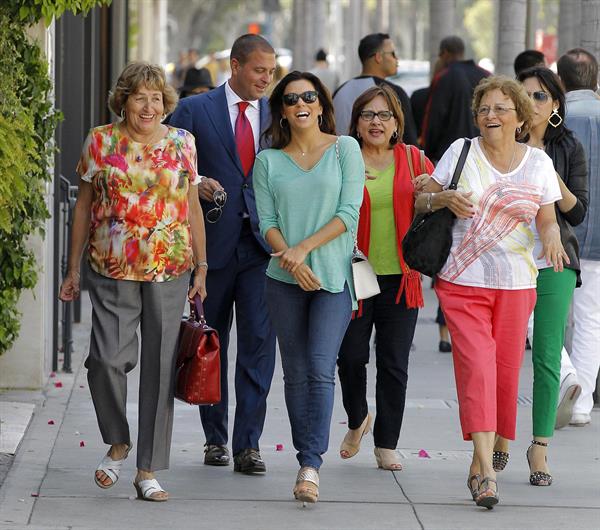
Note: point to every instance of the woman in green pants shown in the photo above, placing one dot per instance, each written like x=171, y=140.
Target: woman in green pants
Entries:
x=554, y=289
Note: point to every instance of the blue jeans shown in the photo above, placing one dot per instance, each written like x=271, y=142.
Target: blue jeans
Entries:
x=310, y=327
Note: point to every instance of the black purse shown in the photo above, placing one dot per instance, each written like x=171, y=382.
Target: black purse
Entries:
x=427, y=243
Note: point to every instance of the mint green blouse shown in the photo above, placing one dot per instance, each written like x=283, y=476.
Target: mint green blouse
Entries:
x=300, y=202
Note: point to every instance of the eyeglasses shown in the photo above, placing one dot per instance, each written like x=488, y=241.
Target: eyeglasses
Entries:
x=310, y=96
x=219, y=198
x=540, y=96
x=369, y=115
x=499, y=110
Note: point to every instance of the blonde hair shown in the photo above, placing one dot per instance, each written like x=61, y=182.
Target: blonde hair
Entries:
x=515, y=91
x=136, y=75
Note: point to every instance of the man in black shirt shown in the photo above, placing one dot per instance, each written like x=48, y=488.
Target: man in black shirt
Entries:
x=378, y=57
x=448, y=114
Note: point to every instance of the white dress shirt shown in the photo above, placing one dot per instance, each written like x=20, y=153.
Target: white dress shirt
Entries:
x=252, y=113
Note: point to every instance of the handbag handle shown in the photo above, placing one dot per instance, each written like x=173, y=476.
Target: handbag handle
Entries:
x=410, y=162
x=460, y=164
x=197, y=309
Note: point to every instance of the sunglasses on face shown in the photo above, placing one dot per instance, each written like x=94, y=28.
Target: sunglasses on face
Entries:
x=219, y=198
x=310, y=96
x=540, y=96
x=499, y=110
x=369, y=115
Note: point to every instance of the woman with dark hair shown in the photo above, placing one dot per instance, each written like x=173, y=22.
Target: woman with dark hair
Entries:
x=308, y=189
x=554, y=288
x=395, y=171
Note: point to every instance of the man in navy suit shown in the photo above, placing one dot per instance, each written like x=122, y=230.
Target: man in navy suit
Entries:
x=227, y=123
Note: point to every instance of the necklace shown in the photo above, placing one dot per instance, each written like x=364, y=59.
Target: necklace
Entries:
x=512, y=160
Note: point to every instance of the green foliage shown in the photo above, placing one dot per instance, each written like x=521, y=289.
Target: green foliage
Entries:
x=27, y=124
x=480, y=24
x=32, y=11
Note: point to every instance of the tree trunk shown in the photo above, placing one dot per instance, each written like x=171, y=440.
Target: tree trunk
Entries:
x=511, y=34
x=590, y=26
x=569, y=21
x=441, y=24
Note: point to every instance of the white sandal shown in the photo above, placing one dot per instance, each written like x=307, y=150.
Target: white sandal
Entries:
x=111, y=468
x=146, y=488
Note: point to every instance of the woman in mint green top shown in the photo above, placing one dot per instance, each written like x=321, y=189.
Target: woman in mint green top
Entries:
x=308, y=190
x=385, y=215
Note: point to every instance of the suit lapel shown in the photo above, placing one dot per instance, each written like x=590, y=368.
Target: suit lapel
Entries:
x=218, y=114
x=265, y=120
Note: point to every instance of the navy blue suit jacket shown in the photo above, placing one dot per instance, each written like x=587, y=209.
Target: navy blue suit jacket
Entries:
x=206, y=116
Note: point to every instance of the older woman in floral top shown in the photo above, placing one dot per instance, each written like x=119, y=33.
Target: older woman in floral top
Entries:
x=138, y=208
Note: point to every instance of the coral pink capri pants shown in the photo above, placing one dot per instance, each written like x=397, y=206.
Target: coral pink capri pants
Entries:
x=488, y=329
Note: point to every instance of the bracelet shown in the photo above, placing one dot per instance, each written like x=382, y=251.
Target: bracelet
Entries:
x=201, y=264
x=429, y=196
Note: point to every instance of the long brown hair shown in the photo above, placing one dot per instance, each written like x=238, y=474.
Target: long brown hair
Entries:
x=278, y=135
x=393, y=104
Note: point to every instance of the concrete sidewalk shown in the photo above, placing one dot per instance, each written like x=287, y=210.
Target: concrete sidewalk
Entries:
x=50, y=484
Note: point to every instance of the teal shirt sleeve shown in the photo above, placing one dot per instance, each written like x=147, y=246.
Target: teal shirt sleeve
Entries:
x=353, y=181
x=265, y=204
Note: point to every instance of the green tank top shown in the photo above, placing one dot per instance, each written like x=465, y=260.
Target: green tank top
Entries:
x=383, y=251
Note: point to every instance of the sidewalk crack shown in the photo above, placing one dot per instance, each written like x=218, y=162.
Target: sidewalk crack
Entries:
x=409, y=500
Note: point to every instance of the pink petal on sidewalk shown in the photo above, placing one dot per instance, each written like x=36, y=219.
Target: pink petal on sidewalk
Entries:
x=279, y=447
x=35, y=494
x=82, y=444
x=423, y=454
x=58, y=384
x=50, y=422
x=52, y=374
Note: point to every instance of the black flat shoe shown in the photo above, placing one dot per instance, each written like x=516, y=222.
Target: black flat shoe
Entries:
x=444, y=346
x=216, y=455
x=249, y=461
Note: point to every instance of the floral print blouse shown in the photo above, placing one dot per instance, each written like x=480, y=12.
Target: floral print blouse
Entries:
x=139, y=217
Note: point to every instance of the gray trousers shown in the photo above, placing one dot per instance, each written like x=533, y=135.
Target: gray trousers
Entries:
x=119, y=307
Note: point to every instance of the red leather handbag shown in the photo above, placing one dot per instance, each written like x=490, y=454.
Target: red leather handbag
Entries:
x=198, y=366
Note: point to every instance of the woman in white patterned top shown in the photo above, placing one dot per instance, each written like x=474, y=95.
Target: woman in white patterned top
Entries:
x=487, y=286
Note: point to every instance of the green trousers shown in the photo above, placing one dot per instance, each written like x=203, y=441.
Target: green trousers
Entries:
x=554, y=294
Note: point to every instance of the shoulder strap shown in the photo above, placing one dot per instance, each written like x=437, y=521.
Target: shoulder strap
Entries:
x=460, y=164
x=410, y=161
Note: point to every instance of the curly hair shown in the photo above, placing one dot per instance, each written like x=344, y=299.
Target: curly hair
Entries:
x=514, y=90
x=136, y=75
x=278, y=132
x=392, y=102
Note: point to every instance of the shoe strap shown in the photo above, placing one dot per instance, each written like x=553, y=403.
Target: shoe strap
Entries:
x=542, y=444
x=308, y=474
x=149, y=487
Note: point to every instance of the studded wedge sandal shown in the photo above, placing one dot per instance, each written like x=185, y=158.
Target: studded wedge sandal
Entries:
x=499, y=460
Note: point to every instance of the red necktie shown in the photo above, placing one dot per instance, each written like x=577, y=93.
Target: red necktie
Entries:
x=244, y=138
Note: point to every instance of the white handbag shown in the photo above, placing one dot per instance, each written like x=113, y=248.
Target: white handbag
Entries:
x=365, y=279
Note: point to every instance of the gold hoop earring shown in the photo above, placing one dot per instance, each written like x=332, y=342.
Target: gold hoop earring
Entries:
x=554, y=119
x=123, y=114
x=282, y=122
x=320, y=120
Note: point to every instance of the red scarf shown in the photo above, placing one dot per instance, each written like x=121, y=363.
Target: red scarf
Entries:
x=404, y=210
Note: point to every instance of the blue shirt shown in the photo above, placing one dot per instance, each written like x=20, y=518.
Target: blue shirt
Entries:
x=583, y=118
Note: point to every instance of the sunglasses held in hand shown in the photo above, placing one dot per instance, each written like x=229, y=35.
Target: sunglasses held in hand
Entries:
x=219, y=198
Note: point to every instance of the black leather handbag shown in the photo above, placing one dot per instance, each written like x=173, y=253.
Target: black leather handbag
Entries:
x=427, y=243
